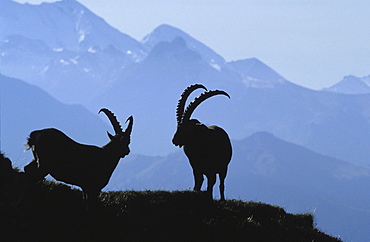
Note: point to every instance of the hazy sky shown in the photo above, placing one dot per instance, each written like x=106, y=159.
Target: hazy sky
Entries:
x=313, y=43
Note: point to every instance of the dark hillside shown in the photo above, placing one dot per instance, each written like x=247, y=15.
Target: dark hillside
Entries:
x=50, y=211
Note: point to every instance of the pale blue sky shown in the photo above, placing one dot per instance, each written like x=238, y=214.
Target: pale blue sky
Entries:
x=313, y=43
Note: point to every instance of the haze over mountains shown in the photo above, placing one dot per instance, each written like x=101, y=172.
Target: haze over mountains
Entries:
x=25, y=108
x=145, y=79
x=265, y=168
x=83, y=64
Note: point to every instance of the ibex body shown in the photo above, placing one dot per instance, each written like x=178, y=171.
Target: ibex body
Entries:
x=207, y=148
x=87, y=166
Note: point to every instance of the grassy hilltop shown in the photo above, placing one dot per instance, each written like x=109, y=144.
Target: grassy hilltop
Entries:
x=50, y=211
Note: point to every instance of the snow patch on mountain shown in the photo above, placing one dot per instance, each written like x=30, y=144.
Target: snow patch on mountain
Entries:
x=63, y=48
x=64, y=24
x=251, y=82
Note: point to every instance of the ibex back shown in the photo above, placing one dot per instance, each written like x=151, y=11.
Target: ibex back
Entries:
x=207, y=148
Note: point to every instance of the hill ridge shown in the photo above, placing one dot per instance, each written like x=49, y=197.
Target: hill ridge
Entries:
x=53, y=211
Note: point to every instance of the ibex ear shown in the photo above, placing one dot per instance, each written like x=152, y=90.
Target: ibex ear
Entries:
x=110, y=136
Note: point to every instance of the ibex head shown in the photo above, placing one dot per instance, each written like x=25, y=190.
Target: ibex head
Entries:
x=122, y=138
x=185, y=125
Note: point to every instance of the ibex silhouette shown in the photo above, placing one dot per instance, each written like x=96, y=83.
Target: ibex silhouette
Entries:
x=87, y=166
x=207, y=148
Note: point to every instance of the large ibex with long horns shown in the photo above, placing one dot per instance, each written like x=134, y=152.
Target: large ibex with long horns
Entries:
x=87, y=166
x=207, y=148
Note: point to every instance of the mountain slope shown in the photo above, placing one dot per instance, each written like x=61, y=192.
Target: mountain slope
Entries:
x=298, y=179
x=65, y=24
x=63, y=48
x=51, y=211
x=167, y=33
x=104, y=75
x=254, y=70
x=150, y=90
x=352, y=85
x=25, y=108
x=267, y=169
x=333, y=124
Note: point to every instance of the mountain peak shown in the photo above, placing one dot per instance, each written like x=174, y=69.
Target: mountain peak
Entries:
x=351, y=85
x=167, y=33
x=163, y=32
x=73, y=3
x=64, y=24
x=256, y=74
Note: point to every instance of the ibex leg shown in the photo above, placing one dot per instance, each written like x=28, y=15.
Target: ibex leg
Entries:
x=222, y=176
x=198, y=180
x=211, y=182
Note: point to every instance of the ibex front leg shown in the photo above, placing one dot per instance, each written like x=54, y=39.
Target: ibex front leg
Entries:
x=198, y=180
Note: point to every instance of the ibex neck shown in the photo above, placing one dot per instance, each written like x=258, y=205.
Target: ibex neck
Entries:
x=111, y=149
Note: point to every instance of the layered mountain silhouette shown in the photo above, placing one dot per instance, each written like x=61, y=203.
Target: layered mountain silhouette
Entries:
x=265, y=168
x=75, y=63
x=144, y=78
x=25, y=108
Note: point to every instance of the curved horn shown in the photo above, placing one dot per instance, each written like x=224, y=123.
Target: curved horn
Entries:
x=184, y=96
x=191, y=107
x=129, y=126
x=116, y=125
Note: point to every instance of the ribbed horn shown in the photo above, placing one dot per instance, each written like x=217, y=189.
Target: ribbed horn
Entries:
x=184, y=96
x=191, y=107
x=129, y=126
x=116, y=125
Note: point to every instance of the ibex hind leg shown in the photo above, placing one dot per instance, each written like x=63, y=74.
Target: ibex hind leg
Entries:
x=211, y=180
x=222, y=176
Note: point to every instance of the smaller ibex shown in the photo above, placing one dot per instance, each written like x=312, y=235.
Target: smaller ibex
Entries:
x=87, y=166
x=207, y=148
